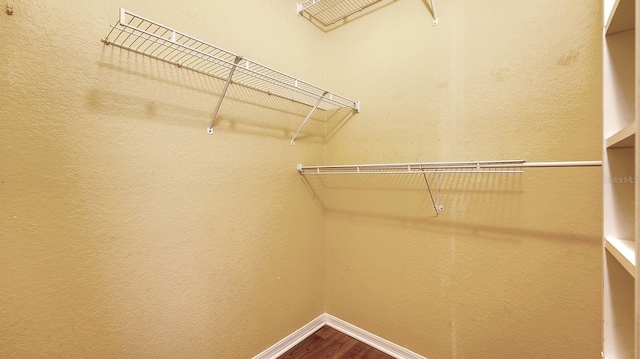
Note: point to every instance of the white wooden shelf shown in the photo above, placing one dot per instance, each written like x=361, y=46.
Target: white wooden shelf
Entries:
x=143, y=36
x=621, y=16
x=624, y=252
x=623, y=138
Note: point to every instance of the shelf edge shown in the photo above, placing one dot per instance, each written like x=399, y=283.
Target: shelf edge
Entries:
x=623, y=251
x=623, y=138
x=618, y=20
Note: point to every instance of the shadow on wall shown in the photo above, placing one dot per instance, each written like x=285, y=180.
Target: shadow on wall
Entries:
x=412, y=196
x=186, y=98
x=491, y=206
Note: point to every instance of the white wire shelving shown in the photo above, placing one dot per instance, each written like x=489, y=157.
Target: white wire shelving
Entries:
x=491, y=167
x=439, y=168
x=328, y=12
x=143, y=36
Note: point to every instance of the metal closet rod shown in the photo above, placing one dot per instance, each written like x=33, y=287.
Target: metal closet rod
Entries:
x=495, y=167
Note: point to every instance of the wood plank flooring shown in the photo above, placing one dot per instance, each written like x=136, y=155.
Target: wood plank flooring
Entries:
x=328, y=343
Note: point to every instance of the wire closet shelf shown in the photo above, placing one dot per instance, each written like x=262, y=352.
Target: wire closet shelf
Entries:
x=491, y=167
x=143, y=36
x=328, y=12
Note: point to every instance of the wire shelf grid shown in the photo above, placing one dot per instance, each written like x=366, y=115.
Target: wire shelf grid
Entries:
x=490, y=167
x=141, y=35
x=328, y=12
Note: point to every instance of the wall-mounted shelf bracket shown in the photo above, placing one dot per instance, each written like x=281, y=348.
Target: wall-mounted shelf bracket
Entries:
x=304, y=123
x=435, y=16
x=223, y=93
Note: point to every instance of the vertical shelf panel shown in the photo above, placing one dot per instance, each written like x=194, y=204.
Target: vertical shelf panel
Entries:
x=636, y=111
x=620, y=188
x=619, y=302
x=619, y=193
x=618, y=81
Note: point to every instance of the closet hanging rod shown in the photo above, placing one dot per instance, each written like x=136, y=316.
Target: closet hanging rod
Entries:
x=143, y=36
x=495, y=167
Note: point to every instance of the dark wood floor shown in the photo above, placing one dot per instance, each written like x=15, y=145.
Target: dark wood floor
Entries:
x=328, y=343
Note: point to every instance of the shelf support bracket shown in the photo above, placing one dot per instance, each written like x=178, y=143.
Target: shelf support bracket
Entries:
x=435, y=17
x=293, y=140
x=224, y=92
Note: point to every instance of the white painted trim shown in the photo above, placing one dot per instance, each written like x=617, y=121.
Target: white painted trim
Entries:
x=373, y=340
x=292, y=339
x=360, y=334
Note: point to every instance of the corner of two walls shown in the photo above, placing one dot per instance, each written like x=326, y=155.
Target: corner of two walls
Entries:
x=512, y=267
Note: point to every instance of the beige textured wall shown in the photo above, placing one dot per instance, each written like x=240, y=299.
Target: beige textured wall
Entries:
x=512, y=267
x=125, y=230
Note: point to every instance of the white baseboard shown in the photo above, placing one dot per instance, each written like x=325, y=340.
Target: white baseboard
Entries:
x=351, y=330
x=292, y=339
x=373, y=340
